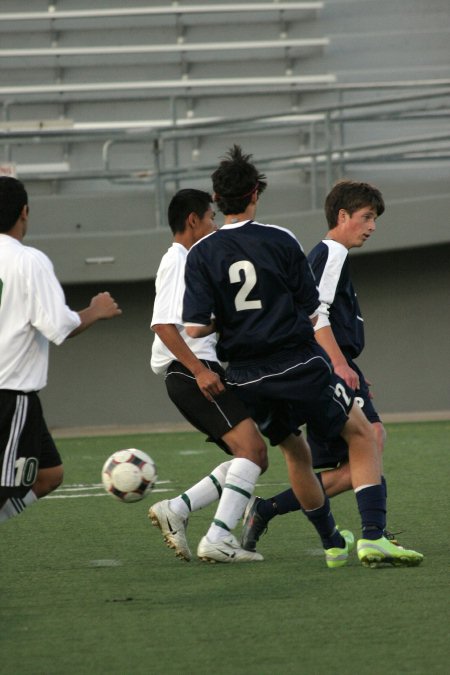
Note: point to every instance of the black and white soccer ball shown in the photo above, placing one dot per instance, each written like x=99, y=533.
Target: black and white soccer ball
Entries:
x=129, y=475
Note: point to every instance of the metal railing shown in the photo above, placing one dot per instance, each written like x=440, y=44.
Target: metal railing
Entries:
x=324, y=156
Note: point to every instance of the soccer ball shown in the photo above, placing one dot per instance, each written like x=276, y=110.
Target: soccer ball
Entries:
x=129, y=475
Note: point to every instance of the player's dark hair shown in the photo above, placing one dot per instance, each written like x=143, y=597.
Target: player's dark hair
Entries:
x=352, y=196
x=13, y=197
x=185, y=202
x=235, y=180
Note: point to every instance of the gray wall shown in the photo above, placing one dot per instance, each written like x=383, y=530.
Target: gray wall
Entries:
x=103, y=378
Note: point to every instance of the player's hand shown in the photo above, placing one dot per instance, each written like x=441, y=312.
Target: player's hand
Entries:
x=209, y=383
x=348, y=375
x=105, y=306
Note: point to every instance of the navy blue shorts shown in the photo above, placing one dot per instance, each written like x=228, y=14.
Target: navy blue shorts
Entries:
x=25, y=442
x=213, y=418
x=328, y=454
x=286, y=391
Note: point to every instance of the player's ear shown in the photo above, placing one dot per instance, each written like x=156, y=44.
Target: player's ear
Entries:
x=192, y=220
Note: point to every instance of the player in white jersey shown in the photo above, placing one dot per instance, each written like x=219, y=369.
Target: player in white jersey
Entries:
x=33, y=312
x=193, y=377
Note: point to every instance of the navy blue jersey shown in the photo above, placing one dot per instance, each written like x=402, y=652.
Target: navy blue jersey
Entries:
x=257, y=283
x=330, y=264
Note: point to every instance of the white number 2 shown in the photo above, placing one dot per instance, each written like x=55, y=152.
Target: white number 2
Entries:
x=340, y=392
x=240, y=301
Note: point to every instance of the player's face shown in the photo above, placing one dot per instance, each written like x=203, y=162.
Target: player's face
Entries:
x=206, y=225
x=358, y=227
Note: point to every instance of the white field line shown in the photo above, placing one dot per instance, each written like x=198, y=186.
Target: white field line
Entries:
x=80, y=490
x=75, y=491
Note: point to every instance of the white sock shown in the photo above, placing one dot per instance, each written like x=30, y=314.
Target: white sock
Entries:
x=240, y=483
x=15, y=505
x=203, y=493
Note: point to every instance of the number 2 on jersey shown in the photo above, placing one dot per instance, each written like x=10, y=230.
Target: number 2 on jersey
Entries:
x=241, y=303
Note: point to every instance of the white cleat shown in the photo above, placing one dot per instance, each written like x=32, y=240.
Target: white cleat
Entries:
x=226, y=550
x=173, y=528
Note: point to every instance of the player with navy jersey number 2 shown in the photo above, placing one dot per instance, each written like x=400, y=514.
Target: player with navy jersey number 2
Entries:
x=33, y=312
x=253, y=285
x=351, y=209
x=193, y=378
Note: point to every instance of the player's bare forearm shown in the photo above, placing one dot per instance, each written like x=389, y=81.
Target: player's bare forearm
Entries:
x=325, y=338
x=201, y=331
x=102, y=306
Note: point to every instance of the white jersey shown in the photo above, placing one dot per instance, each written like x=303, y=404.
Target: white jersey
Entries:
x=168, y=309
x=33, y=311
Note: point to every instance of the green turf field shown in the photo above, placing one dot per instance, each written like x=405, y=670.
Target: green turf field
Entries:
x=87, y=585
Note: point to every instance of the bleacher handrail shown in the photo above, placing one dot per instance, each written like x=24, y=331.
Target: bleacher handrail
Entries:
x=123, y=12
x=182, y=83
x=176, y=47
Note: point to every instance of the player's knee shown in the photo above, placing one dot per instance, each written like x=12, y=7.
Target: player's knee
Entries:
x=263, y=459
x=380, y=435
x=48, y=480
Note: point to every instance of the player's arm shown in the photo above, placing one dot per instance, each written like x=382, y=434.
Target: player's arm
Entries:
x=198, y=331
x=102, y=306
x=325, y=338
x=327, y=269
x=207, y=380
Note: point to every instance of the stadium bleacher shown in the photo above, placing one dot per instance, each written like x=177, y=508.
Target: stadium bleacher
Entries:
x=106, y=110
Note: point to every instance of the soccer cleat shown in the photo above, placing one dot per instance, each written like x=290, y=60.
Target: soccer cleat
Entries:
x=253, y=526
x=382, y=551
x=338, y=557
x=173, y=528
x=226, y=550
x=392, y=536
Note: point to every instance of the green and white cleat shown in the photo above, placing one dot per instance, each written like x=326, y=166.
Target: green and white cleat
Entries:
x=226, y=550
x=377, y=552
x=173, y=528
x=338, y=557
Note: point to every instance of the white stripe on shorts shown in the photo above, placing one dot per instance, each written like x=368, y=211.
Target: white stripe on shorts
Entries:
x=10, y=457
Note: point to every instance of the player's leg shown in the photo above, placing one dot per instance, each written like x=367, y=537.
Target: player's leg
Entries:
x=325, y=455
x=172, y=515
x=365, y=465
x=21, y=446
x=314, y=502
x=250, y=459
x=220, y=420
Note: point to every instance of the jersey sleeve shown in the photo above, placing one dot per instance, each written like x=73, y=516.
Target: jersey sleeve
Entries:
x=167, y=308
x=327, y=261
x=198, y=304
x=48, y=311
x=305, y=287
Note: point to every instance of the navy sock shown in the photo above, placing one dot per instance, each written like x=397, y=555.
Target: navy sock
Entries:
x=372, y=508
x=383, y=483
x=323, y=521
x=285, y=502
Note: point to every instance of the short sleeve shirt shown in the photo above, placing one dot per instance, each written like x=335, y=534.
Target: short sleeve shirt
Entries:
x=256, y=281
x=33, y=311
x=330, y=263
x=168, y=307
